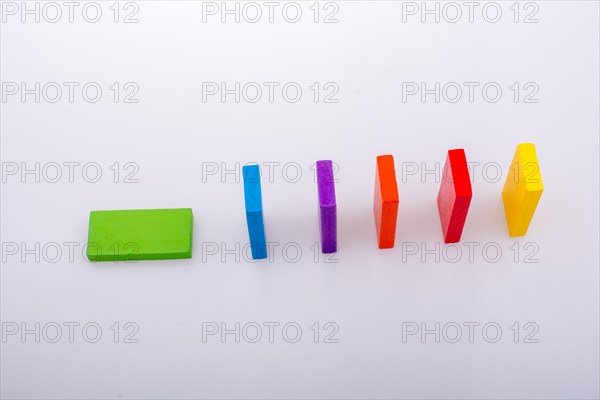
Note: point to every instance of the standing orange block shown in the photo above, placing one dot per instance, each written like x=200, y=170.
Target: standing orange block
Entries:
x=385, y=203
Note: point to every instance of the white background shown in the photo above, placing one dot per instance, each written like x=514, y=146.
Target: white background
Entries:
x=172, y=136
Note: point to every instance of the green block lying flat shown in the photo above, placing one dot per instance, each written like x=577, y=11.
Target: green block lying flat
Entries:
x=123, y=235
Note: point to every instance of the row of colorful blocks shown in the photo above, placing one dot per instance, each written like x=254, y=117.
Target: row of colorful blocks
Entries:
x=167, y=233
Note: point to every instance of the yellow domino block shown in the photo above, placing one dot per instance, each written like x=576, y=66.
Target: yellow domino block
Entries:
x=522, y=189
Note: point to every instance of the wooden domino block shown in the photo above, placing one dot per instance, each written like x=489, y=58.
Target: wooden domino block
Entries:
x=454, y=196
x=385, y=203
x=522, y=189
x=254, y=211
x=124, y=235
x=327, y=206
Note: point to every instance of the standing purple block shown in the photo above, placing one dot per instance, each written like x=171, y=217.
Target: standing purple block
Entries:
x=327, y=206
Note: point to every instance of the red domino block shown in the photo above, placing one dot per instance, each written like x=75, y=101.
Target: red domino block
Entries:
x=385, y=203
x=455, y=195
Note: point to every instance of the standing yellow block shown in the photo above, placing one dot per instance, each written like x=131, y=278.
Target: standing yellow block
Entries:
x=522, y=189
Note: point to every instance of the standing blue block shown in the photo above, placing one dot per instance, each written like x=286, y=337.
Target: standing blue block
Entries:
x=254, y=214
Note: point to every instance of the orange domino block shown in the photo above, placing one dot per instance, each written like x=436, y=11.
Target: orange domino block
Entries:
x=385, y=203
x=522, y=189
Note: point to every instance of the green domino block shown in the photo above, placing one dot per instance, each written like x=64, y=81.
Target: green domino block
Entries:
x=123, y=235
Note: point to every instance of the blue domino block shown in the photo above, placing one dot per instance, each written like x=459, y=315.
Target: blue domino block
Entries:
x=254, y=214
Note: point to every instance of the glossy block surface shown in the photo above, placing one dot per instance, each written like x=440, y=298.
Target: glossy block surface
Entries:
x=154, y=234
x=327, y=206
x=454, y=197
x=522, y=189
x=385, y=202
x=254, y=211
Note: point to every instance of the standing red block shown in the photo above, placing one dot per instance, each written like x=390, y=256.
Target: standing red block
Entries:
x=455, y=195
x=385, y=203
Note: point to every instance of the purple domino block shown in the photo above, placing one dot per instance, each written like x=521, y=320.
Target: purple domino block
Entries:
x=327, y=206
